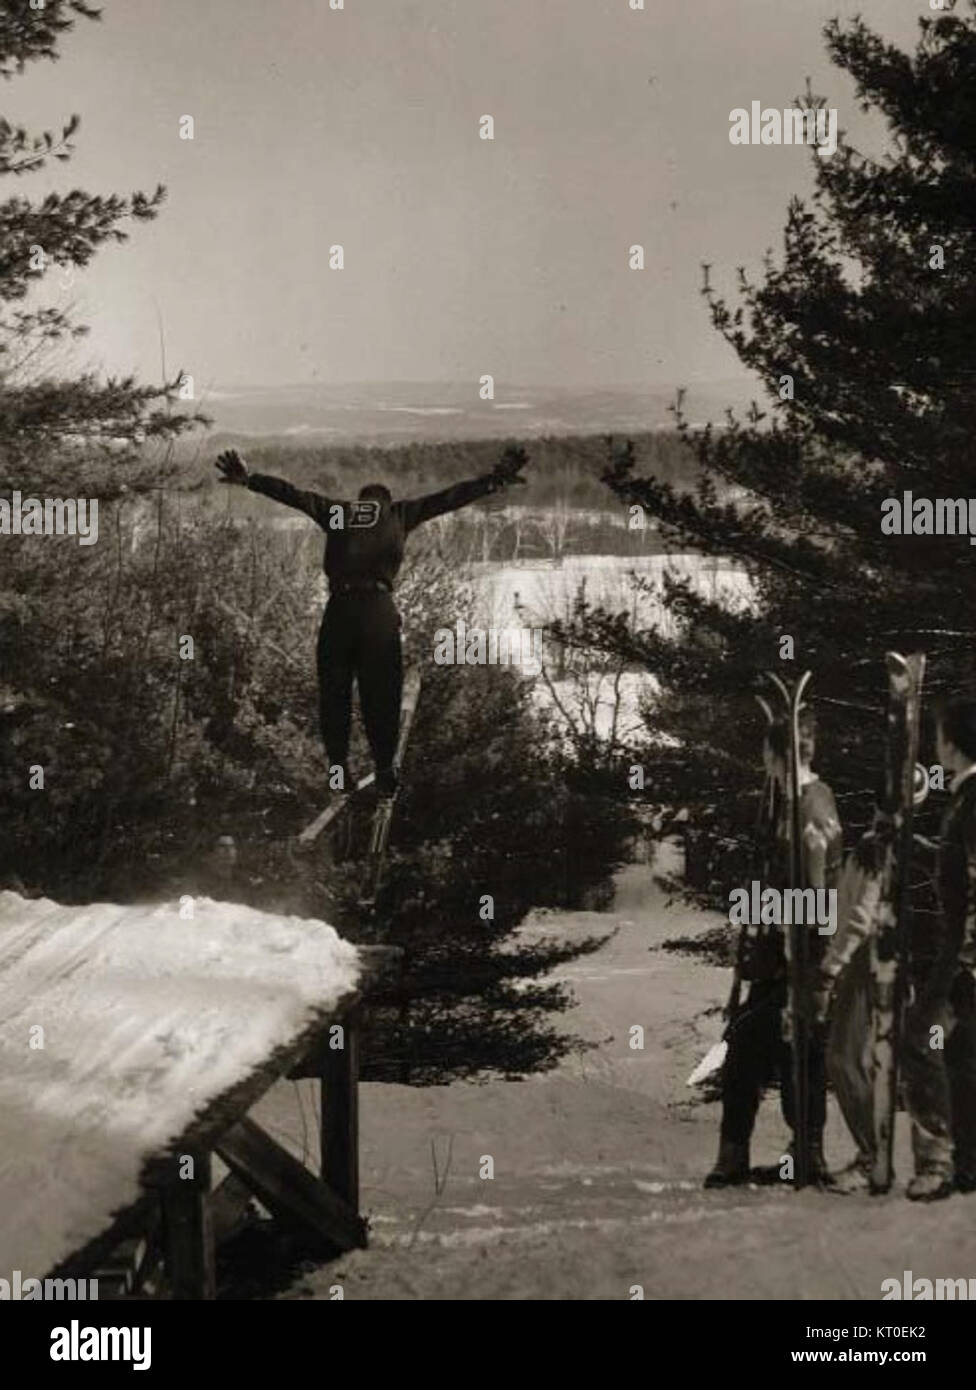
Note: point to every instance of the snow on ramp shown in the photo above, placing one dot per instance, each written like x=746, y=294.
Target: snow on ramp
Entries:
x=147, y=1018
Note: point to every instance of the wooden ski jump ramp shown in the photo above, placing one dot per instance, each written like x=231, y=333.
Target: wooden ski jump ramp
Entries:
x=134, y=1039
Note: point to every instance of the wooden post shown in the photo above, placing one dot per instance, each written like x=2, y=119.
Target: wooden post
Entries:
x=188, y=1228
x=287, y=1188
x=340, y=1111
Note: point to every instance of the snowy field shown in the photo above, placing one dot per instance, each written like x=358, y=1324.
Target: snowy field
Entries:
x=538, y=592
x=546, y=589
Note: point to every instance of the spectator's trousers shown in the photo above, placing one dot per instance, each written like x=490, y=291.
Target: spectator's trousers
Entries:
x=940, y=1082
x=756, y=1052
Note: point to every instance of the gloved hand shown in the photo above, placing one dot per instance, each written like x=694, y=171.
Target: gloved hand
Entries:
x=509, y=467
x=232, y=468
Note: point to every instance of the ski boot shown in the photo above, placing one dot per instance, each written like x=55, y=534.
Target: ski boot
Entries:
x=934, y=1165
x=854, y=1180
x=964, y=1167
x=931, y=1186
x=818, y=1174
x=817, y=1165
x=732, y=1166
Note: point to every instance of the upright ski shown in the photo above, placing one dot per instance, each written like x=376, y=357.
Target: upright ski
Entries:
x=796, y=939
x=771, y=836
x=889, y=943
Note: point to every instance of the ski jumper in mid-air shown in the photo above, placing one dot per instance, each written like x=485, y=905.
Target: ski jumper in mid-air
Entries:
x=360, y=634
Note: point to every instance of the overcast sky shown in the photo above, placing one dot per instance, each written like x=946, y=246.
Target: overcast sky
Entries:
x=463, y=256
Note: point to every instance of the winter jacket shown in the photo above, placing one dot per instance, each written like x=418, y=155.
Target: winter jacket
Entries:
x=956, y=881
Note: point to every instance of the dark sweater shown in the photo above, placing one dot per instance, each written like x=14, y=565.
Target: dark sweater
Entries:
x=365, y=540
x=956, y=878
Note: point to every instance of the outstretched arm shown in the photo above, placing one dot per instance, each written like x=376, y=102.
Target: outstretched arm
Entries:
x=234, y=470
x=507, y=471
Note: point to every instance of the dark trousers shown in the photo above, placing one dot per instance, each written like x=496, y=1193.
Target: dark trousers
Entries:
x=756, y=1051
x=940, y=1083
x=961, y=1068
x=359, y=640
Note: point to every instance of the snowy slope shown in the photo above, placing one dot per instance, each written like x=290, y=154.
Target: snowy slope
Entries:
x=598, y=1165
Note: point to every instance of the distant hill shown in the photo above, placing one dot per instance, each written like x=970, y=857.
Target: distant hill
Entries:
x=378, y=413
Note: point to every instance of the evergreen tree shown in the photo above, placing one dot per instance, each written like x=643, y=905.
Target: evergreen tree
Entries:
x=61, y=434
x=56, y=429
x=863, y=337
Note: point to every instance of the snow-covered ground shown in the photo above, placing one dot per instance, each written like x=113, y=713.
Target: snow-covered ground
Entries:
x=545, y=590
x=598, y=1165
x=117, y=1026
x=538, y=592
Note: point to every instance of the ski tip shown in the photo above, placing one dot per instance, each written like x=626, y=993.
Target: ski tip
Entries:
x=766, y=708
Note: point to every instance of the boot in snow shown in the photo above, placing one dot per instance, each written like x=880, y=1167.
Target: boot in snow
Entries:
x=818, y=1173
x=855, y=1179
x=929, y=1187
x=732, y=1165
x=817, y=1164
x=932, y=1152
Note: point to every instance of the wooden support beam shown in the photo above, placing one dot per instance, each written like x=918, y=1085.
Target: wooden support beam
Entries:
x=118, y=1275
x=187, y=1228
x=287, y=1188
x=228, y=1207
x=152, y=1266
x=340, y=1111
